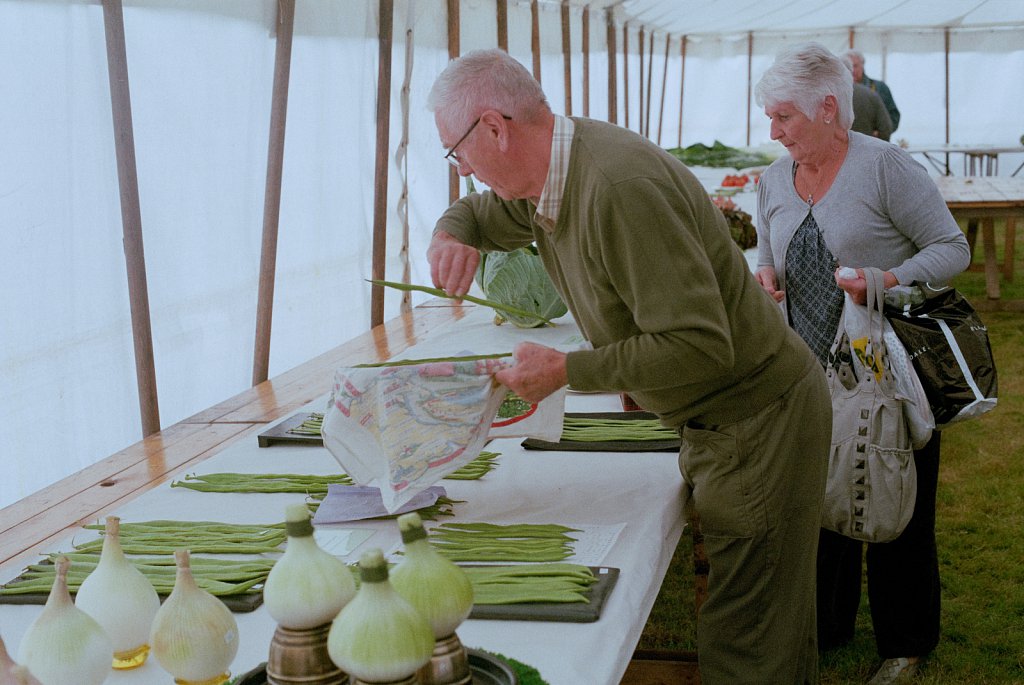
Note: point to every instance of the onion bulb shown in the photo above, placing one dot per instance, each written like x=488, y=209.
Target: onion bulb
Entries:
x=11, y=673
x=379, y=637
x=64, y=644
x=194, y=636
x=434, y=585
x=307, y=587
x=121, y=599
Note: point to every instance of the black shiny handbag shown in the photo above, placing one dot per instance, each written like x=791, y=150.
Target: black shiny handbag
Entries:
x=948, y=345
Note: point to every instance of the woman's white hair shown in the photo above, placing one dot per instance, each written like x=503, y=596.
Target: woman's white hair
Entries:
x=804, y=75
x=482, y=80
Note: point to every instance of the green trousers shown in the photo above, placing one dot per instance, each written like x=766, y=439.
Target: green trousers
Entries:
x=756, y=486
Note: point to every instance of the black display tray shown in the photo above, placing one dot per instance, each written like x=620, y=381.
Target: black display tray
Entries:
x=241, y=604
x=670, y=445
x=578, y=612
x=279, y=435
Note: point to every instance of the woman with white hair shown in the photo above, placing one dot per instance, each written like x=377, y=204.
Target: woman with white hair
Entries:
x=844, y=199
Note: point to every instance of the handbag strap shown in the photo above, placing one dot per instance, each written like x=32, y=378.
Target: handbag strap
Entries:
x=875, y=281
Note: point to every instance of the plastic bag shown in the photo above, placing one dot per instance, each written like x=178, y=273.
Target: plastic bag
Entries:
x=517, y=418
x=948, y=344
x=916, y=408
x=403, y=428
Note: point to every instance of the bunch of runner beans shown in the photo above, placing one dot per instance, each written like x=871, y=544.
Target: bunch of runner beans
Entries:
x=473, y=542
x=211, y=537
x=528, y=583
x=589, y=429
x=221, y=577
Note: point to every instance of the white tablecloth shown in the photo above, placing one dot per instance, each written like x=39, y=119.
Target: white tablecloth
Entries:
x=641, y=490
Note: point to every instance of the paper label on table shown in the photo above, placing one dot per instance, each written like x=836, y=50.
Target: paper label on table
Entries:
x=345, y=503
x=340, y=542
x=593, y=543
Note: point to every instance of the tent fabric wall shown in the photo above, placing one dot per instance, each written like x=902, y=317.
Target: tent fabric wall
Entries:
x=201, y=74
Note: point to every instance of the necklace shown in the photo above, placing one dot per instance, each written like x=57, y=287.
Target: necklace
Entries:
x=825, y=174
x=821, y=183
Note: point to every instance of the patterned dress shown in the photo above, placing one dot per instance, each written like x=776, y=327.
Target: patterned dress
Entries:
x=815, y=301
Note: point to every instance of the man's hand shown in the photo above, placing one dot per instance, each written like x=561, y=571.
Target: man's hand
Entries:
x=452, y=264
x=538, y=371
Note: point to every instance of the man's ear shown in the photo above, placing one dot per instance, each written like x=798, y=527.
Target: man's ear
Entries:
x=496, y=126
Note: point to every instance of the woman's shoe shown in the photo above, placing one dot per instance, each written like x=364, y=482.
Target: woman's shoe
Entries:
x=897, y=670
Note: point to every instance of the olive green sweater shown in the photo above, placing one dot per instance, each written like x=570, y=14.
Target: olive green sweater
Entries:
x=648, y=269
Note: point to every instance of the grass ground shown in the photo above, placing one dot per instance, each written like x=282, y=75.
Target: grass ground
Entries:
x=980, y=530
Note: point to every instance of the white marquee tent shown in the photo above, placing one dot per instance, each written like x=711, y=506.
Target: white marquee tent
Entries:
x=167, y=152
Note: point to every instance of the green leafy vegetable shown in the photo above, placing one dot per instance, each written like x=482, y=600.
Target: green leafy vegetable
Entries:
x=719, y=155
x=518, y=279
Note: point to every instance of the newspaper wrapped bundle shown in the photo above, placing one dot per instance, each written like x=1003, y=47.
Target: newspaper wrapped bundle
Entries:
x=403, y=428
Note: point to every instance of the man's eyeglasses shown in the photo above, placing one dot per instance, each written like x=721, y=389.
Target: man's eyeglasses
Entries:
x=452, y=156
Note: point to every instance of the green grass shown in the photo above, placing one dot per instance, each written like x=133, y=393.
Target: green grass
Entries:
x=980, y=531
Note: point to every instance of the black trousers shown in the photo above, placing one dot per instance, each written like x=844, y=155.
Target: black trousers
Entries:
x=903, y=577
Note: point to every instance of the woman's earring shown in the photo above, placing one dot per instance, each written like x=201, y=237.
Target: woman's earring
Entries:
x=828, y=121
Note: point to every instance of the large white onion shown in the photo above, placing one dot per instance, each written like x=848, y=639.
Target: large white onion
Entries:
x=307, y=586
x=379, y=637
x=121, y=599
x=194, y=636
x=12, y=673
x=64, y=644
x=435, y=586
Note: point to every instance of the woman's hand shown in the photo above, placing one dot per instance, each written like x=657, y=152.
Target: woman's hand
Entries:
x=538, y=371
x=766, y=277
x=452, y=264
x=857, y=287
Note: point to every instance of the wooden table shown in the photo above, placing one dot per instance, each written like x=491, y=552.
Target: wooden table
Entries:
x=979, y=160
x=981, y=200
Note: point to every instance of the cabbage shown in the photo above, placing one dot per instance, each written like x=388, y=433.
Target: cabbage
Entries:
x=518, y=279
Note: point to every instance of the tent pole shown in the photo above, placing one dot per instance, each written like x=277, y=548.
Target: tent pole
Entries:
x=535, y=37
x=682, y=83
x=613, y=72
x=625, y=71
x=750, y=79
x=272, y=191
x=567, y=57
x=402, y=157
x=946, y=42
x=586, y=60
x=502, y=12
x=650, y=78
x=131, y=215
x=664, y=83
x=380, y=189
x=641, y=42
x=453, y=51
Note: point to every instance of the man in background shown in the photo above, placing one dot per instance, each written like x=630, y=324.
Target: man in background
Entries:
x=857, y=61
x=869, y=114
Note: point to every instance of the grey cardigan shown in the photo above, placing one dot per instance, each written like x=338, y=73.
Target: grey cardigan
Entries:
x=882, y=210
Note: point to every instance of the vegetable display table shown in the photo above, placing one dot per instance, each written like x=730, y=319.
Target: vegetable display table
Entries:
x=638, y=493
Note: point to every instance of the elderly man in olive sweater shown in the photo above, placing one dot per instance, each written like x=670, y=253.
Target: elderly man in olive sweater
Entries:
x=648, y=269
